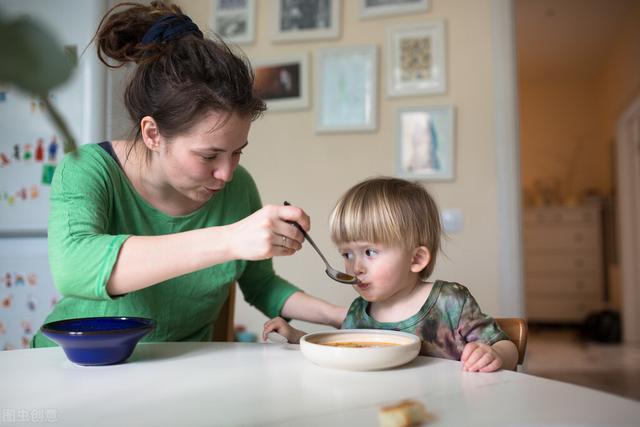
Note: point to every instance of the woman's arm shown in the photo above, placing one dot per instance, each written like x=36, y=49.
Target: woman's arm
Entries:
x=146, y=260
x=301, y=306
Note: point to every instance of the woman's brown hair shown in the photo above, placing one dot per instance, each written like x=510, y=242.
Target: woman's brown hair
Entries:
x=178, y=81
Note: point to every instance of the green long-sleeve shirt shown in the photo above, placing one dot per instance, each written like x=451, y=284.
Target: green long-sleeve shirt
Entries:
x=94, y=209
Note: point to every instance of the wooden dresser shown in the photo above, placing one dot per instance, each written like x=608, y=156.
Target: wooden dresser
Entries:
x=564, y=276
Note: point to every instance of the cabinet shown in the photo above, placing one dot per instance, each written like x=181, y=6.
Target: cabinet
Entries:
x=564, y=276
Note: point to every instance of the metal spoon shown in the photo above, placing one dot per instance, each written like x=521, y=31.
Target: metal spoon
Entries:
x=336, y=275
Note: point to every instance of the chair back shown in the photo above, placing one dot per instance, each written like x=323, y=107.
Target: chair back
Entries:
x=517, y=330
x=223, y=328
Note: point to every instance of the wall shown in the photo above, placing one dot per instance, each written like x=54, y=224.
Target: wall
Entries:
x=290, y=162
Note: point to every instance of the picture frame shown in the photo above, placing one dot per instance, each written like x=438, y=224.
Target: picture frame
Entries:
x=346, y=89
x=301, y=20
x=283, y=83
x=378, y=8
x=416, y=64
x=425, y=144
x=234, y=20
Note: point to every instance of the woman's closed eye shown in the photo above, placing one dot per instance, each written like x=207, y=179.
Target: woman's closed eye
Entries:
x=215, y=156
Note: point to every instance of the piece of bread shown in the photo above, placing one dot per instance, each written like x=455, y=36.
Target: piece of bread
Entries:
x=406, y=413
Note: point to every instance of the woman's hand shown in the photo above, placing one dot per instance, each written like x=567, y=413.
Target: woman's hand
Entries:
x=268, y=233
x=264, y=234
x=280, y=326
x=480, y=357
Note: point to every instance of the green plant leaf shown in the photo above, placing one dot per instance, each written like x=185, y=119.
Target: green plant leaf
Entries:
x=35, y=63
x=31, y=58
x=58, y=121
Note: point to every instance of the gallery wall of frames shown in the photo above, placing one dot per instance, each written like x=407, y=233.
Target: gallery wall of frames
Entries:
x=346, y=77
x=364, y=88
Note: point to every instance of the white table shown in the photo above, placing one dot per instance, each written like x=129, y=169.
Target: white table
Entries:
x=213, y=384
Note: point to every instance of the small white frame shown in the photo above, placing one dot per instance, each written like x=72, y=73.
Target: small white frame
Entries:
x=346, y=89
x=274, y=75
x=286, y=31
x=222, y=20
x=416, y=64
x=393, y=7
x=425, y=143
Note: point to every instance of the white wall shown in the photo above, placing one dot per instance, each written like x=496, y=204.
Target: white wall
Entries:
x=290, y=162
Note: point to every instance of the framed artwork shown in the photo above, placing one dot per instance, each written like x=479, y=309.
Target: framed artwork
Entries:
x=283, y=83
x=425, y=143
x=375, y=8
x=234, y=20
x=306, y=19
x=416, y=60
x=346, y=83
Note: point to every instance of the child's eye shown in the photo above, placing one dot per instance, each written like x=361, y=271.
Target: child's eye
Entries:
x=370, y=252
x=209, y=157
x=347, y=255
x=237, y=153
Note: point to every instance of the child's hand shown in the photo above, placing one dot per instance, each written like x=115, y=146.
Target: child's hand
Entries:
x=279, y=325
x=480, y=357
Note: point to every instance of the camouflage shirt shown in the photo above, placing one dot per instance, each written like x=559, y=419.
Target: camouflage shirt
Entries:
x=449, y=319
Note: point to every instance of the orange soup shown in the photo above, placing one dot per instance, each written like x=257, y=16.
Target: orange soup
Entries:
x=359, y=344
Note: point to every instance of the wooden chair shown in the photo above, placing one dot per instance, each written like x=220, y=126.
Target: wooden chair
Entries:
x=223, y=329
x=516, y=329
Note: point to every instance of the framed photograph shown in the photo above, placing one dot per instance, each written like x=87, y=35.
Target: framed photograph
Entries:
x=416, y=60
x=375, y=8
x=306, y=20
x=425, y=143
x=234, y=20
x=283, y=83
x=346, y=83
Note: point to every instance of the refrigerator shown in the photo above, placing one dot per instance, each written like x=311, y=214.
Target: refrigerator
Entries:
x=30, y=150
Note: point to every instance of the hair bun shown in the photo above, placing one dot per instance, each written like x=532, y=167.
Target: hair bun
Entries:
x=120, y=32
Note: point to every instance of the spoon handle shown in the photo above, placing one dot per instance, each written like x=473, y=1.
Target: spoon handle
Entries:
x=307, y=237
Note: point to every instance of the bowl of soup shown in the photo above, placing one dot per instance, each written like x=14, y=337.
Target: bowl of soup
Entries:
x=360, y=349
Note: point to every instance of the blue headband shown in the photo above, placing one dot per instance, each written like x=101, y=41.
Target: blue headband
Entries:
x=170, y=27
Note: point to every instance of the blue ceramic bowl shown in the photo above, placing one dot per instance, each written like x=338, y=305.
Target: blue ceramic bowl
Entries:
x=95, y=341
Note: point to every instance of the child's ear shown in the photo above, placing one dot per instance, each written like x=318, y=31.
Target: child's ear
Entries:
x=420, y=259
x=150, y=133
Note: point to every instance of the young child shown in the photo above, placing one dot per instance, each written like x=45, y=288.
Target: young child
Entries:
x=388, y=231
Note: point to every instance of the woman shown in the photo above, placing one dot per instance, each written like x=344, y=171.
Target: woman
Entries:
x=160, y=226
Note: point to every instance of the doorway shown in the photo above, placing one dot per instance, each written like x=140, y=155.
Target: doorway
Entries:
x=628, y=196
x=567, y=156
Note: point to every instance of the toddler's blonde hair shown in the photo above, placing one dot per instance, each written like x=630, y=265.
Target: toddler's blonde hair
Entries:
x=388, y=211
